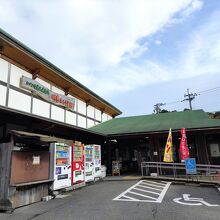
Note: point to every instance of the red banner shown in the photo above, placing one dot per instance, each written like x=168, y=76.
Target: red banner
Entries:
x=184, y=151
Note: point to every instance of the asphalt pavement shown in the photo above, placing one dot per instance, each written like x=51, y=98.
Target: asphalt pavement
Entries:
x=127, y=200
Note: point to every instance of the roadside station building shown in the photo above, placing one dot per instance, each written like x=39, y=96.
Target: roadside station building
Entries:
x=132, y=140
x=39, y=104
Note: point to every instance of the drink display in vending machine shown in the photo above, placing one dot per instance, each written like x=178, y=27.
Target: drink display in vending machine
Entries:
x=97, y=160
x=89, y=164
x=62, y=166
x=77, y=163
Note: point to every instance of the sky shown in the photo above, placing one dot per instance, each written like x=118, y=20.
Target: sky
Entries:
x=132, y=53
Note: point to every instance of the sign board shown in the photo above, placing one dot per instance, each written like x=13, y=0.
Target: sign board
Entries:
x=47, y=94
x=116, y=167
x=36, y=160
x=214, y=150
x=190, y=164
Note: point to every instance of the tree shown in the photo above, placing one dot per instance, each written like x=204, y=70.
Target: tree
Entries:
x=214, y=115
x=217, y=115
x=164, y=111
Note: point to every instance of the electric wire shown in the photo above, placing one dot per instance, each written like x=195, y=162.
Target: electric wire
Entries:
x=197, y=93
x=208, y=90
x=174, y=102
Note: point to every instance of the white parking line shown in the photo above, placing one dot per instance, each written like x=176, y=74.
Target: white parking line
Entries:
x=164, y=192
x=146, y=191
x=133, y=196
x=149, y=197
x=156, y=183
x=128, y=197
x=148, y=187
x=150, y=184
x=164, y=181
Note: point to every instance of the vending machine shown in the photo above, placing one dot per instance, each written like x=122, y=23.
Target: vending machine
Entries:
x=62, y=166
x=77, y=163
x=89, y=164
x=97, y=161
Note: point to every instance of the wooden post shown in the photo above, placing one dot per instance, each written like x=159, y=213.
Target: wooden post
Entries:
x=151, y=148
x=201, y=149
x=5, y=174
x=157, y=149
x=109, y=158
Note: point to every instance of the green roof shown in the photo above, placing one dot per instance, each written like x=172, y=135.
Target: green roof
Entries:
x=157, y=123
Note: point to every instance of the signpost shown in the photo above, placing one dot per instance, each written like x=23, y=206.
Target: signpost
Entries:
x=190, y=164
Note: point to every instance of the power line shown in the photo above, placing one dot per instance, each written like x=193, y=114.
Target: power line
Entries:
x=208, y=90
x=157, y=107
x=174, y=102
x=188, y=97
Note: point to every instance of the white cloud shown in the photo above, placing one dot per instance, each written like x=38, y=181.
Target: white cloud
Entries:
x=194, y=6
x=95, y=41
x=7, y=12
x=201, y=54
x=158, y=42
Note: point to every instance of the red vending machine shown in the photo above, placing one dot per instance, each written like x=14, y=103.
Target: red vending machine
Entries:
x=77, y=163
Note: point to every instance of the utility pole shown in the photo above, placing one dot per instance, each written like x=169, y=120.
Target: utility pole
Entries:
x=189, y=97
x=157, y=108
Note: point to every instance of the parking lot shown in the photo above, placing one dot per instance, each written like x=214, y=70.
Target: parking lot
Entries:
x=135, y=200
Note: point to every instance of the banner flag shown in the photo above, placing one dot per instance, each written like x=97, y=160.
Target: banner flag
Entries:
x=184, y=150
x=168, y=153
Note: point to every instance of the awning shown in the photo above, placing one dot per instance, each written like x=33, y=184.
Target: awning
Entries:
x=40, y=137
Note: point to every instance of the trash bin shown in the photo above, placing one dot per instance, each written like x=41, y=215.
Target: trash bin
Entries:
x=103, y=171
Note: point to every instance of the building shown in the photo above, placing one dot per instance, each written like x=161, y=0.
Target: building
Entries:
x=39, y=104
x=133, y=140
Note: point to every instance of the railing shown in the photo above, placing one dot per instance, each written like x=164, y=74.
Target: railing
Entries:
x=178, y=170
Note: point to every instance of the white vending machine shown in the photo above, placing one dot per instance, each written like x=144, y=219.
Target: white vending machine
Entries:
x=62, y=166
x=97, y=161
x=89, y=163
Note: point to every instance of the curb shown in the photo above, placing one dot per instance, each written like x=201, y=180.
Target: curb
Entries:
x=121, y=179
x=174, y=181
x=55, y=193
x=204, y=182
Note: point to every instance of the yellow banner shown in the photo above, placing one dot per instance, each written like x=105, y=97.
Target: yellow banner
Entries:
x=168, y=153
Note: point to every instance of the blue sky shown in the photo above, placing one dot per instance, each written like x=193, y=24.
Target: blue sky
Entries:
x=132, y=53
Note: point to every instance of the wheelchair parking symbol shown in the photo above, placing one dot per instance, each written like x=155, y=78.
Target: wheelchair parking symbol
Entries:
x=186, y=200
x=190, y=164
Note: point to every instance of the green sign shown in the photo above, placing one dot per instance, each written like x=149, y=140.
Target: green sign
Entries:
x=47, y=94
